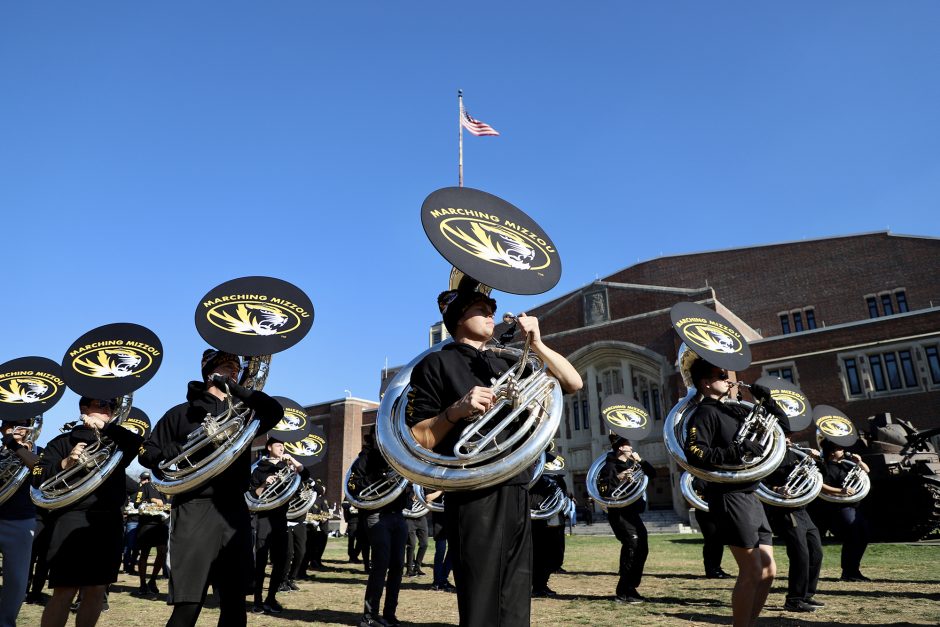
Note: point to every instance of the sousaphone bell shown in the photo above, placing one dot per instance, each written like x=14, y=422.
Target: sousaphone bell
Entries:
x=626, y=419
x=836, y=427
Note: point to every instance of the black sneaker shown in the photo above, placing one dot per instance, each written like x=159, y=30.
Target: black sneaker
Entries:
x=284, y=588
x=293, y=586
x=622, y=598
x=368, y=620
x=814, y=602
x=718, y=574
x=798, y=606
x=391, y=621
x=152, y=587
x=420, y=573
x=74, y=606
x=257, y=608
x=271, y=606
x=544, y=593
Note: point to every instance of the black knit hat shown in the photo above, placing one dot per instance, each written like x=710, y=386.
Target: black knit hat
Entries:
x=212, y=358
x=454, y=303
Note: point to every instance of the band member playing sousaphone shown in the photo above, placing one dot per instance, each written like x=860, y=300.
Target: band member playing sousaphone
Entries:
x=548, y=527
x=845, y=484
x=23, y=399
x=152, y=533
x=81, y=472
x=718, y=438
x=497, y=245
x=202, y=445
x=786, y=511
x=623, y=468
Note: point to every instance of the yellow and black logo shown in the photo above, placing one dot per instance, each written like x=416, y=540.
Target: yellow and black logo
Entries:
x=310, y=446
x=835, y=426
x=293, y=420
x=28, y=387
x=792, y=402
x=626, y=416
x=710, y=335
x=556, y=464
x=497, y=241
x=119, y=359
x=136, y=425
x=254, y=317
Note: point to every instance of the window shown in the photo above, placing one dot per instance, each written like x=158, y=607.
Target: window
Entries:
x=877, y=374
x=782, y=373
x=933, y=362
x=872, y=307
x=901, y=298
x=576, y=407
x=585, y=414
x=810, y=319
x=892, y=370
x=907, y=368
x=887, y=305
x=797, y=321
x=851, y=372
x=785, y=323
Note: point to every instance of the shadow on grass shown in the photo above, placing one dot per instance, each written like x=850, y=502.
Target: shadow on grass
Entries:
x=342, y=618
x=770, y=619
x=930, y=596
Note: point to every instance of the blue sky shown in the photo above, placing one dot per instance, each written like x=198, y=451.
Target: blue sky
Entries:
x=149, y=151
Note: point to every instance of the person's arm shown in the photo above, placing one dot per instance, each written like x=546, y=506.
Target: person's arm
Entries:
x=22, y=451
x=560, y=367
x=55, y=458
x=430, y=421
x=161, y=445
x=128, y=441
x=699, y=447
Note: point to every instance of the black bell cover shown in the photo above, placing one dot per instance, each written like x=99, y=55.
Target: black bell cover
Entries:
x=491, y=240
x=554, y=464
x=791, y=400
x=29, y=386
x=112, y=360
x=710, y=336
x=311, y=450
x=255, y=315
x=835, y=426
x=138, y=422
x=625, y=417
x=294, y=426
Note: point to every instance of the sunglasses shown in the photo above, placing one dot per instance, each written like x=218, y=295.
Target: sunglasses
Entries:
x=723, y=376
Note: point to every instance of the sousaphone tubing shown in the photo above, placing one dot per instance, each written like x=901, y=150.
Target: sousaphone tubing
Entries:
x=626, y=419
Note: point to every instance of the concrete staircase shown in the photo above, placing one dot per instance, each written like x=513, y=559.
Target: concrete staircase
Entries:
x=658, y=521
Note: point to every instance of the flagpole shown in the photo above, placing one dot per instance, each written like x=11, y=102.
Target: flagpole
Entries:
x=460, y=137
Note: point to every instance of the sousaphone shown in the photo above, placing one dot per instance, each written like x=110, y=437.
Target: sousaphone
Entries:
x=292, y=427
x=836, y=427
x=492, y=245
x=110, y=362
x=706, y=334
x=625, y=418
x=29, y=387
x=253, y=317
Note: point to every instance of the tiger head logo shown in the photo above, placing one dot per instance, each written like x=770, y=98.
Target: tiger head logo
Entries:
x=308, y=447
x=835, y=426
x=23, y=390
x=109, y=363
x=250, y=319
x=491, y=243
x=790, y=405
x=713, y=339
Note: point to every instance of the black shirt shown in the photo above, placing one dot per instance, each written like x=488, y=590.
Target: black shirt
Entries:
x=607, y=480
x=710, y=443
x=266, y=468
x=171, y=432
x=145, y=493
x=370, y=467
x=110, y=495
x=444, y=377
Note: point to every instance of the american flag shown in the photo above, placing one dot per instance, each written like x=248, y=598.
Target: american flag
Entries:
x=476, y=127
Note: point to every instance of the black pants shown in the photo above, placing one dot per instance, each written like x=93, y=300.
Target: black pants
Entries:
x=296, y=548
x=852, y=527
x=804, y=550
x=417, y=538
x=270, y=539
x=353, y=548
x=712, y=546
x=40, y=567
x=490, y=538
x=548, y=552
x=387, y=534
x=362, y=532
x=316, y=544
x=634, y=548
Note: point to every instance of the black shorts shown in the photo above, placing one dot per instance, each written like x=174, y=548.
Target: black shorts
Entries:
x=85, y=548
x=151, y=533
x=209, y=544
x=740, y=519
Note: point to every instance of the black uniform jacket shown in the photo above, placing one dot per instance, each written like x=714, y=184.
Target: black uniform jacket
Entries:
x=444, y=377
x=111, y=494
x=607, y=480
x=260, y=474
x=710, y=443
x=170, y=434
x=369, y=468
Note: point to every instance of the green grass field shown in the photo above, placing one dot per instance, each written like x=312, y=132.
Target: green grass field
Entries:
x=906, y=591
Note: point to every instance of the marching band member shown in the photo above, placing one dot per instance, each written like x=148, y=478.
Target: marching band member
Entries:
x=271, y=529
x=737, y=511
x=848, y=521
x=210, y=526
x=626, y=521
x=417, y=544
x=152, y=532
x=801, y=537
x=449, y=387
x=442, y=557
x=296, y=549
x=17, y=523
x=712, y=546
x=319, y=533
x=86, y=544
x=353, y=539
x=387, y=534
x=548, y=539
